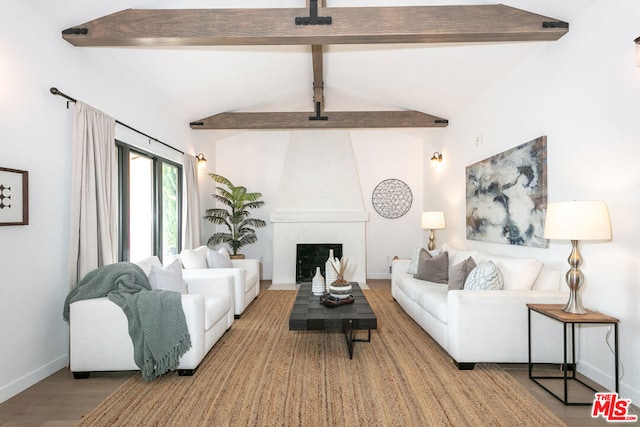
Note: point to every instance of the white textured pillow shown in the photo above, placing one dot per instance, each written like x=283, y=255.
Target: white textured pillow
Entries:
x=193, y=258
x=486, y=276
x=219, y=259
x=168, y=279
x=413, y=265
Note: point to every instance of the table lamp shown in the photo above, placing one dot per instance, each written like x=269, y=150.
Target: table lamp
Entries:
x=575, y=221
x=434, y=221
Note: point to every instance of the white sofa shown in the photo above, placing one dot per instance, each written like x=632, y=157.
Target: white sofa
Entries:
x=99, y=337
x=245, y=274
x=485, y=325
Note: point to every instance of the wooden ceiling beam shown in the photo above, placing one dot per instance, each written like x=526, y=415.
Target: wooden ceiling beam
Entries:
x=355, y=25
x=335, y=120
x=318, y=77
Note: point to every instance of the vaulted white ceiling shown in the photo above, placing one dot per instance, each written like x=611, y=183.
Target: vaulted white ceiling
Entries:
x=436, y=79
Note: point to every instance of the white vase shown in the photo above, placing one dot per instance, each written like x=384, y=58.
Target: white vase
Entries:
x=317, y=283
x=329, y=273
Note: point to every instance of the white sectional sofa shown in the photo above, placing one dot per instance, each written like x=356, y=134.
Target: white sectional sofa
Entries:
x=99, y=337
x=245, y=274
x=485, y=325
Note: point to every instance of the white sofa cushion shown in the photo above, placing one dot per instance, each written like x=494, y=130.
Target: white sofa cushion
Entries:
x=519, y=274
x=486, y=276
x=168, y=278
x=432, y=297
x=194, y=258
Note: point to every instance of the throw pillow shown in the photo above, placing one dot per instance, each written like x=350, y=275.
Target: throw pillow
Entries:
x=433, y=268
x=486, y=276
x=413, y=265
x=219, y=258
x=168, y=278
x=192, y=258
x=460, y=272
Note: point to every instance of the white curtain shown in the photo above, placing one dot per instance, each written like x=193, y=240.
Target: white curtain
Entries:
x=94, y=192
x=191, y=204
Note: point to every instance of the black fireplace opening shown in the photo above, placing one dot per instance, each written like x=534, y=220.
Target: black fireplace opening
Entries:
x=312, y=255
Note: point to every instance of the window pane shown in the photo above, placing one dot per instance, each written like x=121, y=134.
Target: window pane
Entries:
x=140, y=206
x=170, y=210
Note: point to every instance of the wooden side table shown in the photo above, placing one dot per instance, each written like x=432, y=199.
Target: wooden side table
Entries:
x=555, y=312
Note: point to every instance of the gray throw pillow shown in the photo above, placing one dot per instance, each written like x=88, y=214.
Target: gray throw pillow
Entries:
x=218, y=259
x=168, y=279
x=460, y=272
x=434, y=269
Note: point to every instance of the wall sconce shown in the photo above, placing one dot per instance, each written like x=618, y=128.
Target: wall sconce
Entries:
x=202, y=162
x=637, y=40
x=437, y=157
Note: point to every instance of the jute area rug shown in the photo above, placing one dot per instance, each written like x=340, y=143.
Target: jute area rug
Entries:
x=262, y=374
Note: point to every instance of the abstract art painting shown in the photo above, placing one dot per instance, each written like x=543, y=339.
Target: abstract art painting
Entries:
x=507, y=196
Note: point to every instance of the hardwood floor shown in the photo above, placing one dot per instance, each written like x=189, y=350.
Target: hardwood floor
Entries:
x=59, y=400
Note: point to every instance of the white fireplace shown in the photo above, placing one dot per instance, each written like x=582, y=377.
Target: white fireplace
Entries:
x=319, y=201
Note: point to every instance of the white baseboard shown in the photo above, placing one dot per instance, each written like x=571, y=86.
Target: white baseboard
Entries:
x=9, y=390
x=606, y=379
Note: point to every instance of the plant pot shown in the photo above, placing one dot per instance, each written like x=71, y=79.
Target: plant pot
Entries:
x=238, y=256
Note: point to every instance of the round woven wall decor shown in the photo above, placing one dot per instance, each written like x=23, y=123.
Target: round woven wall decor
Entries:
x=392, y=198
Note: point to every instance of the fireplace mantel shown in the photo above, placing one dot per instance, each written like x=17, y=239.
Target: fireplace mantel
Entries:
x=319, y=217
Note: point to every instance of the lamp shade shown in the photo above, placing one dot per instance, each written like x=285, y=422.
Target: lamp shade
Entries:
x=577, y=220
x=433, y=220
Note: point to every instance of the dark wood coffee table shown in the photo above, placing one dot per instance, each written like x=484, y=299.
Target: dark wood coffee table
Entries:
x=308, y=314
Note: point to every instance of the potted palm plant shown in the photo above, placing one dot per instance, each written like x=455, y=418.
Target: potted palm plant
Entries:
x=236, y=217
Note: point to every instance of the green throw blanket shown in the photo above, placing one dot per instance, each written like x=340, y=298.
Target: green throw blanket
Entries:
x=157, y=325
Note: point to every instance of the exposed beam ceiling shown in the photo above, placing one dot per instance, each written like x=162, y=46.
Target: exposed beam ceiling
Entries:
x=370, y=25
x=335, y=119
x=358, y=25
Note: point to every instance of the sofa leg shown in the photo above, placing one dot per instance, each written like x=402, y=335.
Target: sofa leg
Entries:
x=81, y=375
x=186, y=372
x=464, y=366
x=236, y=316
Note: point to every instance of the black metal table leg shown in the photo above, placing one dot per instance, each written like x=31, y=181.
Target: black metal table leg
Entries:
x=350, y=335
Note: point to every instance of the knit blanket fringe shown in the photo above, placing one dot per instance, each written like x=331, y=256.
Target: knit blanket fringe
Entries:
x=153, y=368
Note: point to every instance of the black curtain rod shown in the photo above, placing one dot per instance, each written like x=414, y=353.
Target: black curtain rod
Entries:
x=55, y=91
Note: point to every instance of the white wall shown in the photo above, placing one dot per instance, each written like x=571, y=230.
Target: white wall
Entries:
x=35, y=135
x=582, y=92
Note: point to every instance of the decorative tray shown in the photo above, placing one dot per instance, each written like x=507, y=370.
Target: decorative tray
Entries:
x=330, y=301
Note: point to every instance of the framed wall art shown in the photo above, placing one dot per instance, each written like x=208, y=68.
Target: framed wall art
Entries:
x=507, y=196
x=14, y=197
